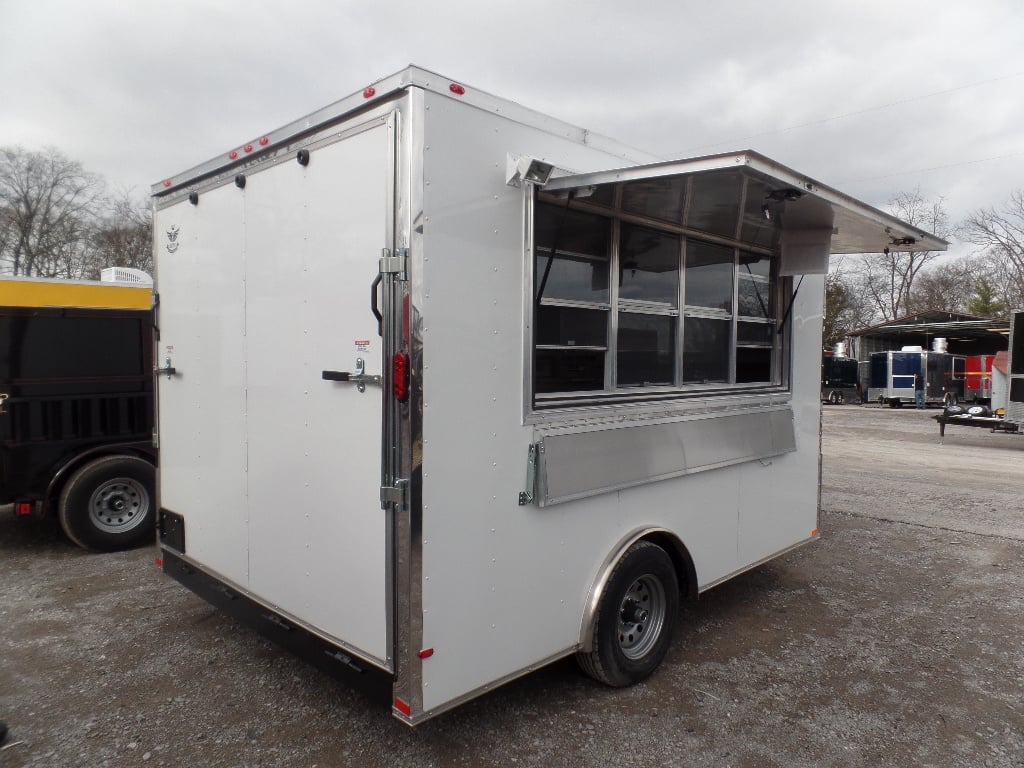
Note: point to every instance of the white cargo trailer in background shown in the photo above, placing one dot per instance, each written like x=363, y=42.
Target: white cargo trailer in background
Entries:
x=450, y=389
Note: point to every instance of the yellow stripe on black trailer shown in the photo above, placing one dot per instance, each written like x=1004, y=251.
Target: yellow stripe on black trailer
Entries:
x=28, y=292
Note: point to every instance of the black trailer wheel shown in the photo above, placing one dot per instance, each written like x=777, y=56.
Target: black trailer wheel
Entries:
x=109, y=504
x=633, y=627
x=835, y=398
x=949, y=399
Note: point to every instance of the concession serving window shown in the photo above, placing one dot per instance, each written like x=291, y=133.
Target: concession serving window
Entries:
x=665, y=292
x=675, y=279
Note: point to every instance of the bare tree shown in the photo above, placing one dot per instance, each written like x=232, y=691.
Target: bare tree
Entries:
x=1000, y=234
x=846, y=304
x=48, y=204
x=889, y=277
x=123, y=237
x=949, y=286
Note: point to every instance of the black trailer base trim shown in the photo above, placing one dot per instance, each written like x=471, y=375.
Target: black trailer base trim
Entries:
x=370, y=680
x=171, y=530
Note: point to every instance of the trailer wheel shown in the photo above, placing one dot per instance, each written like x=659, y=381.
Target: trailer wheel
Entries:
x=949, y=399
x=835, y=398
x=633, y=626
x=109, y=504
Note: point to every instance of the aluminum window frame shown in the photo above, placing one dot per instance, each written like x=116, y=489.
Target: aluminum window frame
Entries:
x=612, y=393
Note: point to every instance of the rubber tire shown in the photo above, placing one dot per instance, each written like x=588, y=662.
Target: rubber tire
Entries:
x=835, y=398
x=606, y=662
x=73, y=507
x=979, y=410
x=953, y=410
x=950, y=399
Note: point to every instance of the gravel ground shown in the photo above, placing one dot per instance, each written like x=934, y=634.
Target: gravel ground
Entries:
x=893, y=641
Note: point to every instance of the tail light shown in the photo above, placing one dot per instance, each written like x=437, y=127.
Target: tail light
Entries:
x=400, y=376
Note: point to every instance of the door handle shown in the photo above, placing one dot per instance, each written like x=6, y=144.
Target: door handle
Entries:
x=373, y=304
x=360, y=377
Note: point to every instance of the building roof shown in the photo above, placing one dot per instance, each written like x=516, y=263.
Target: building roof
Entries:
x=937, y=323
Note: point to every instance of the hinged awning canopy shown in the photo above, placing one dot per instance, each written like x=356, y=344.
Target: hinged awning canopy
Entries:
x=777, y=207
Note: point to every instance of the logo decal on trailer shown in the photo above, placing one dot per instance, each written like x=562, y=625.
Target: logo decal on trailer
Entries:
x=362, y=346
x=172, y=239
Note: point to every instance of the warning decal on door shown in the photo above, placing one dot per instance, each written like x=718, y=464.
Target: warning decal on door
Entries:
x=362, y=346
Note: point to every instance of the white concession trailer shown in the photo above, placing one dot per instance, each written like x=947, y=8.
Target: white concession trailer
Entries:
x=449, y=389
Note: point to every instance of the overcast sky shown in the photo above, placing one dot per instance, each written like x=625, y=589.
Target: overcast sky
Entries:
x=874, y=97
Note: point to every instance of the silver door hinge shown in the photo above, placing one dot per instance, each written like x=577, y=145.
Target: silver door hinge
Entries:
x=395, y=264
x=397, y=494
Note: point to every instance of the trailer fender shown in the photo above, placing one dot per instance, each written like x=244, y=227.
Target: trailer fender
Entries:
x=668, y=541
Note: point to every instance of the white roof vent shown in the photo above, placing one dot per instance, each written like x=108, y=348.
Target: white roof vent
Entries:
x=125, y=275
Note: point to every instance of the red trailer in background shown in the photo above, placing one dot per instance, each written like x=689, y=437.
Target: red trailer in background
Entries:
x=978, y=379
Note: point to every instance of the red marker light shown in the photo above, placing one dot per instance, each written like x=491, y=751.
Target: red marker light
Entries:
x=400, y=377
x=369, y=93
x=426, y=653
x=264, y=141
x=402, y=707
x=457, y=89
x=159, y=562
x=233, y=155
x=23, y=508
x=167, y=183
x=248, y=147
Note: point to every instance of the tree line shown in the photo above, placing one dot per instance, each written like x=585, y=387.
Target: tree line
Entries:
x=58, y=220
x=866, y=289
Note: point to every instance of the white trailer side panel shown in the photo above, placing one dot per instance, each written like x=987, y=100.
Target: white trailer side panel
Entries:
x=504, y=586
x=778, y=497
x=200, y=278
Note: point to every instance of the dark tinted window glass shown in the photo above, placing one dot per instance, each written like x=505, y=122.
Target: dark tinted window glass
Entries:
x=657, y=198
x=569, y=370
x=756, y=228
x=646, y=353
x=754, y=299
x=705, y=350
x=566, y=326
x=569, y=230
x=649, y=265
x=714, y=203
x=42, y=347
x=754, y=333
x=709, y=270
x=755, y=265
x=753, y=364
x=576, y=278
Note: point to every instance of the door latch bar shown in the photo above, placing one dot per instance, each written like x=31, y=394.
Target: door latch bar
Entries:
x=168, y=369
x=360, y=378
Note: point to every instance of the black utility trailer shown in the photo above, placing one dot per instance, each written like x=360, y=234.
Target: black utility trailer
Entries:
x=76, y=408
